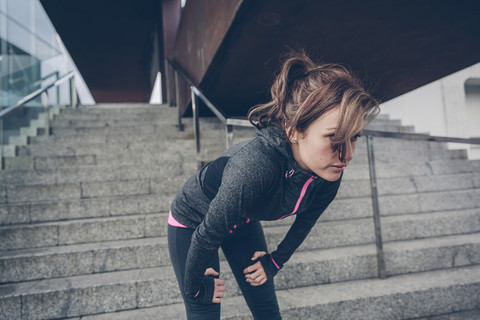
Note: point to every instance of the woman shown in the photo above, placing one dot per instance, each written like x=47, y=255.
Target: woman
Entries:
x=306, y=137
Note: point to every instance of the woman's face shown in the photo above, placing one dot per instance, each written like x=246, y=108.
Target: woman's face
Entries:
x=313, y=149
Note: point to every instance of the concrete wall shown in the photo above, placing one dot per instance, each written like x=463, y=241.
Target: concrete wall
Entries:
x=443, y=107
x=472, y=90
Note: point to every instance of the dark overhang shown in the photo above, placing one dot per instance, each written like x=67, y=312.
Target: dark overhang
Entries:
x=396, y=46
x=112, y=44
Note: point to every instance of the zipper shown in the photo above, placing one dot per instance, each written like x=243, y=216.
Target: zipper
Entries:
x=302, y=194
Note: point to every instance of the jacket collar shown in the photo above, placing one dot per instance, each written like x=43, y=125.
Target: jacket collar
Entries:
x=277, y=137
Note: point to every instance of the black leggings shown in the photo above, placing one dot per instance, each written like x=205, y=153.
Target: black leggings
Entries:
x=238, y=248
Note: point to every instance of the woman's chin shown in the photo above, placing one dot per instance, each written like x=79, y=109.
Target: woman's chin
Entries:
x=330, y=176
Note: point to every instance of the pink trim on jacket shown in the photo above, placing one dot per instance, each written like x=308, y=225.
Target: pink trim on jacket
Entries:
x=302, y=194
x=173, y=222
x=276, y=265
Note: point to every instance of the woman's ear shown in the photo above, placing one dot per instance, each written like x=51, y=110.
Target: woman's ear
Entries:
x=294, y=136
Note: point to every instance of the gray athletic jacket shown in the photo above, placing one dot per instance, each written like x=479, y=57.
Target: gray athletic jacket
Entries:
x=257, y=179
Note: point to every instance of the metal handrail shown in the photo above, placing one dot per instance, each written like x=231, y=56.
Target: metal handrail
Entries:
x=55, y=74
x=42, y=91
x=220, y=115
x=229, y=122
x=37, y=93
x=369, y=134
x=418, y=137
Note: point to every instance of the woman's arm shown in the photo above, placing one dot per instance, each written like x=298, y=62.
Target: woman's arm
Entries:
x=297, y=233
x=238, y=189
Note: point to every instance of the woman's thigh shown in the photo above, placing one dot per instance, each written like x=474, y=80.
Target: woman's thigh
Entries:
x=239, y=248
x=179, y=240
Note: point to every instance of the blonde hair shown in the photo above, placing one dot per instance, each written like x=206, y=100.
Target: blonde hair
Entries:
x=303, y=91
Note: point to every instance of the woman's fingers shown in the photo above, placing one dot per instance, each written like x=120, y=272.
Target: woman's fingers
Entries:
x=257, y=278
x=258, y=254
x=255, y=274
x=220, y=283
x=211, y=272
x=219, y=287
x=258, y=281
x=219, y=290
x=254, y=267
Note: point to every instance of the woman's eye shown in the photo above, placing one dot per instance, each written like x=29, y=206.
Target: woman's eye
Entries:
x=355, y=137
x=331, y=135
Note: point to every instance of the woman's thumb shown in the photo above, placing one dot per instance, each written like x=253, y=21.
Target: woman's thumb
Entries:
x=258, y=254
x=211, y=272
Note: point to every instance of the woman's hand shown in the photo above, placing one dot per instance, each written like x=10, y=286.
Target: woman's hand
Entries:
x=255, y=274
x=219, y=290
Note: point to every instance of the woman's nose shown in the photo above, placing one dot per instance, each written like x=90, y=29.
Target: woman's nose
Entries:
x=349, y=150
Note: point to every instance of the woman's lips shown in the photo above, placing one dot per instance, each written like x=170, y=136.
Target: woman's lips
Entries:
x=340, y=167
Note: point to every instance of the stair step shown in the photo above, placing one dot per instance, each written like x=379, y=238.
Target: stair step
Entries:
x=89, y=294
x=331, y=234
x=131, y=137
x=359, y=170
x=432, y=253
x=88, y=154
x=429, y=202
x=324, y=266
x=130, y=156
x=118, y=112
x=168, y=170
x=116, y=185
x=153, y=146
x=101, y=150
x=82, y=259
x=408, y=184
x=177, y=311
x=64, y=128
x=326, y=234
x=135, y=132
x=405, y=203
x=234, y=308
x=90, y=161
x=170, y=167
x=151, y=133
x=399, y=297
x=50, y=211
x=71, y=126
x=55, y=202
x=82, y=190
x=462, y=315
x=82, y=231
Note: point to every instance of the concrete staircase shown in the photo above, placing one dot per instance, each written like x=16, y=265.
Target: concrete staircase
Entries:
x=83, y=219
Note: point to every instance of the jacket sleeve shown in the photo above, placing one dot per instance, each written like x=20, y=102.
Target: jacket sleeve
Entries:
x=238, y=190
x=302, y=226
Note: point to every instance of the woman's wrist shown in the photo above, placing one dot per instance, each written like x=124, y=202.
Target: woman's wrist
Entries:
x=205, y=294
x=270, y=266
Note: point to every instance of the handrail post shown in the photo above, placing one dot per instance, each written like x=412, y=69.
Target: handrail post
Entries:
x=47, y=112
x=2, y=166
x=196, y=127
x=376, y=210
x=229, y=135
x=73, y=93
x=177, y=98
